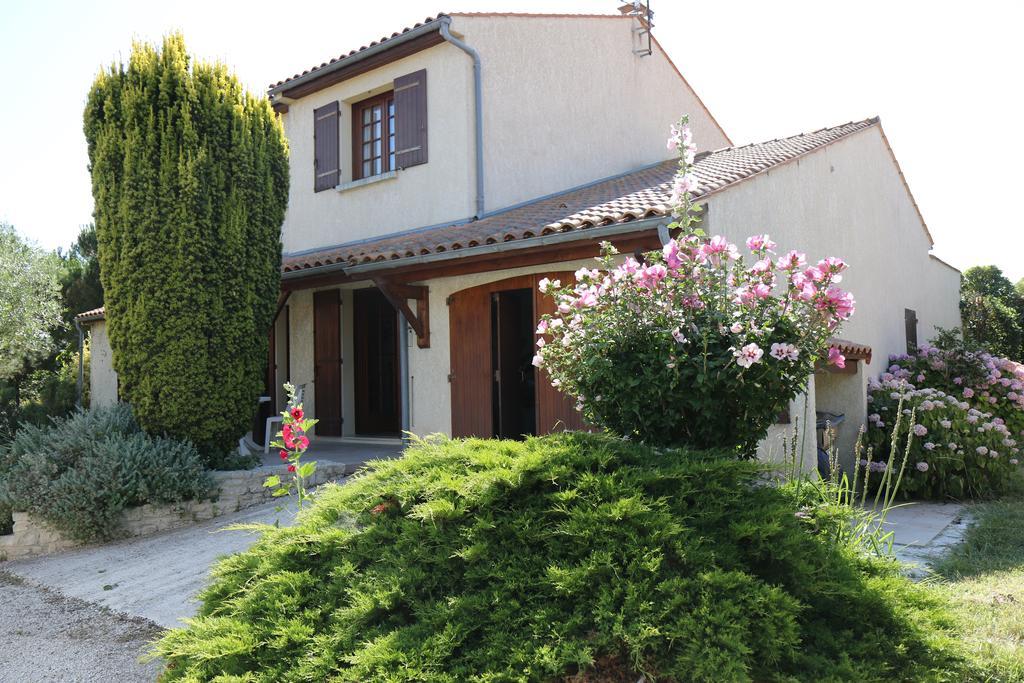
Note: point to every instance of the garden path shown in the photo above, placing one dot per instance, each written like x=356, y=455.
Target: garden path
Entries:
x=923, y=532
x=155, y=577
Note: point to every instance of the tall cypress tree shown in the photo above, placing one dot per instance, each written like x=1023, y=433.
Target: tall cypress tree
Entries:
x=190, y=182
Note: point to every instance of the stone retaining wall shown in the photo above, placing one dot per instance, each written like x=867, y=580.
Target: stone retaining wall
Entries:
x=237, y=490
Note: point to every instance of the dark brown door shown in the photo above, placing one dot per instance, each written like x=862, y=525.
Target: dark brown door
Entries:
x=470, y=332
x=556, y=411
x=377, y=395
x=327, y=361
x=473, y=363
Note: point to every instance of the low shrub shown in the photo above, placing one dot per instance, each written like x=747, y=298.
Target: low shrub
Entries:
x=571, y=557
x=79, y=473
x=969, y=418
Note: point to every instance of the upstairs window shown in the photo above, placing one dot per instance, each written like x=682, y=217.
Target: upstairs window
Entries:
x=389, y=132
x=373, y=136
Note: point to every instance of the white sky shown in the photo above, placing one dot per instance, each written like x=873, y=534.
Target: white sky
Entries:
x=946, y=78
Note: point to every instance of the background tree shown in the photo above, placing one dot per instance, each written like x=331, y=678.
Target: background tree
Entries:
x=190, y=181
x=30, y=306
x=80, y=284
x=993, y=312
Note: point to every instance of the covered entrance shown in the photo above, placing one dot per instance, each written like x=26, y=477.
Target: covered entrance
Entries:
x=496, y=391
x=377, y=390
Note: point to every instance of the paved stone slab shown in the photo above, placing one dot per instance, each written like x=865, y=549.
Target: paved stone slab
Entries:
x=919, y=524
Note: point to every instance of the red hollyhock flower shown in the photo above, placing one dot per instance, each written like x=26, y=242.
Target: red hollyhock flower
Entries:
x=302, y=443
x=291, y=468
x=297, y=413
x=284, y=455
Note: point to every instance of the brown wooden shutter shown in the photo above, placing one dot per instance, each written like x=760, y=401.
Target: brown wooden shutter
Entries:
x=910, y=321
x=469, y=316
x=326, y=159
x=411, y=119
x=556, y=412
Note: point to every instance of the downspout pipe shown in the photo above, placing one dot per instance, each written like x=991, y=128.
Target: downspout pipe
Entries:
x=81, y=364
x=478, y=97
x=403, y=371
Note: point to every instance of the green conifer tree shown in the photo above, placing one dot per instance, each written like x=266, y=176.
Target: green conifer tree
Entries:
x=190, y=182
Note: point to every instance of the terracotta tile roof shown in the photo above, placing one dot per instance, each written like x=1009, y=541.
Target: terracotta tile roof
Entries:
x=852, y=350
x=620, y=200
x=339, y=58
x=91, y=316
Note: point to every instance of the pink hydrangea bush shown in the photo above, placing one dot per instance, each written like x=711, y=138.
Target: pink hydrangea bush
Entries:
x=969, y=420
x=701, y=344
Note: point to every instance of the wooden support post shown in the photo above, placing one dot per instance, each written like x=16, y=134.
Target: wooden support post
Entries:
x=399, y=295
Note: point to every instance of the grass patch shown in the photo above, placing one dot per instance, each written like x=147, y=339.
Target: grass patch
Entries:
x=983, y=578
x=564, y=558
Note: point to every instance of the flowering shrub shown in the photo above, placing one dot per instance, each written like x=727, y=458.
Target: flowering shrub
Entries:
x=293, y=444
x=969, y=418
x=699, y=344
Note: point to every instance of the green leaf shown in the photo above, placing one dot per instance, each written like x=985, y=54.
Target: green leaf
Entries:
x=272, y=480
x=307, y=469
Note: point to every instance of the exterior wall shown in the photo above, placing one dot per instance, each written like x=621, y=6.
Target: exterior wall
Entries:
x=847, y=200
x=843, y=394
x=440, y=190
x=552, y=86
x=102, y=377
x=566, y=102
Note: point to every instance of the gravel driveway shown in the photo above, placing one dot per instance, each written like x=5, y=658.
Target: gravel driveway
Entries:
x=49, y=637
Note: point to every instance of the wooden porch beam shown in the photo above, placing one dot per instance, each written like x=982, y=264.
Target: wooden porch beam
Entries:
x=399, y=295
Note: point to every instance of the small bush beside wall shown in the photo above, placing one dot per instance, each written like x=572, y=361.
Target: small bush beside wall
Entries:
x=969, y=421
x=79, y=473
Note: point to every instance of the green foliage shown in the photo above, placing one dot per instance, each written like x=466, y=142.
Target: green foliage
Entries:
x=992, y=310
x=79, y=473
x=692, y=346
x=190, y=181
x=81, y=289
x=984, y=578
x=568, y=557
x=29, y=302
x=969, y=416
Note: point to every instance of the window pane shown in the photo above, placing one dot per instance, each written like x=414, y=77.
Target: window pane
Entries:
x=376, y=112
x=366, y=116
x=376, y=149
x=366, y=133
x=376, y=130
x=366, y=169
x=367, y=147
x=376, y=166
x=391, y=161
x=391, y=143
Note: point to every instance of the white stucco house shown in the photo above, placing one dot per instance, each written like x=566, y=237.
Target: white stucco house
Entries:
x=438, y=174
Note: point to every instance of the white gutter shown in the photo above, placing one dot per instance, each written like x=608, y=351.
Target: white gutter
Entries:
x=478, y=98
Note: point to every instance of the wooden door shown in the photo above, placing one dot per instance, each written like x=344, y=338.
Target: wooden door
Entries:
x=556, y=411
x=470, y=338
x=377, y=391
x=472, y=365
x=327, y=361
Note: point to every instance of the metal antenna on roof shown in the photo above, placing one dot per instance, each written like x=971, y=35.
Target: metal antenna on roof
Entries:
x=641, y=11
